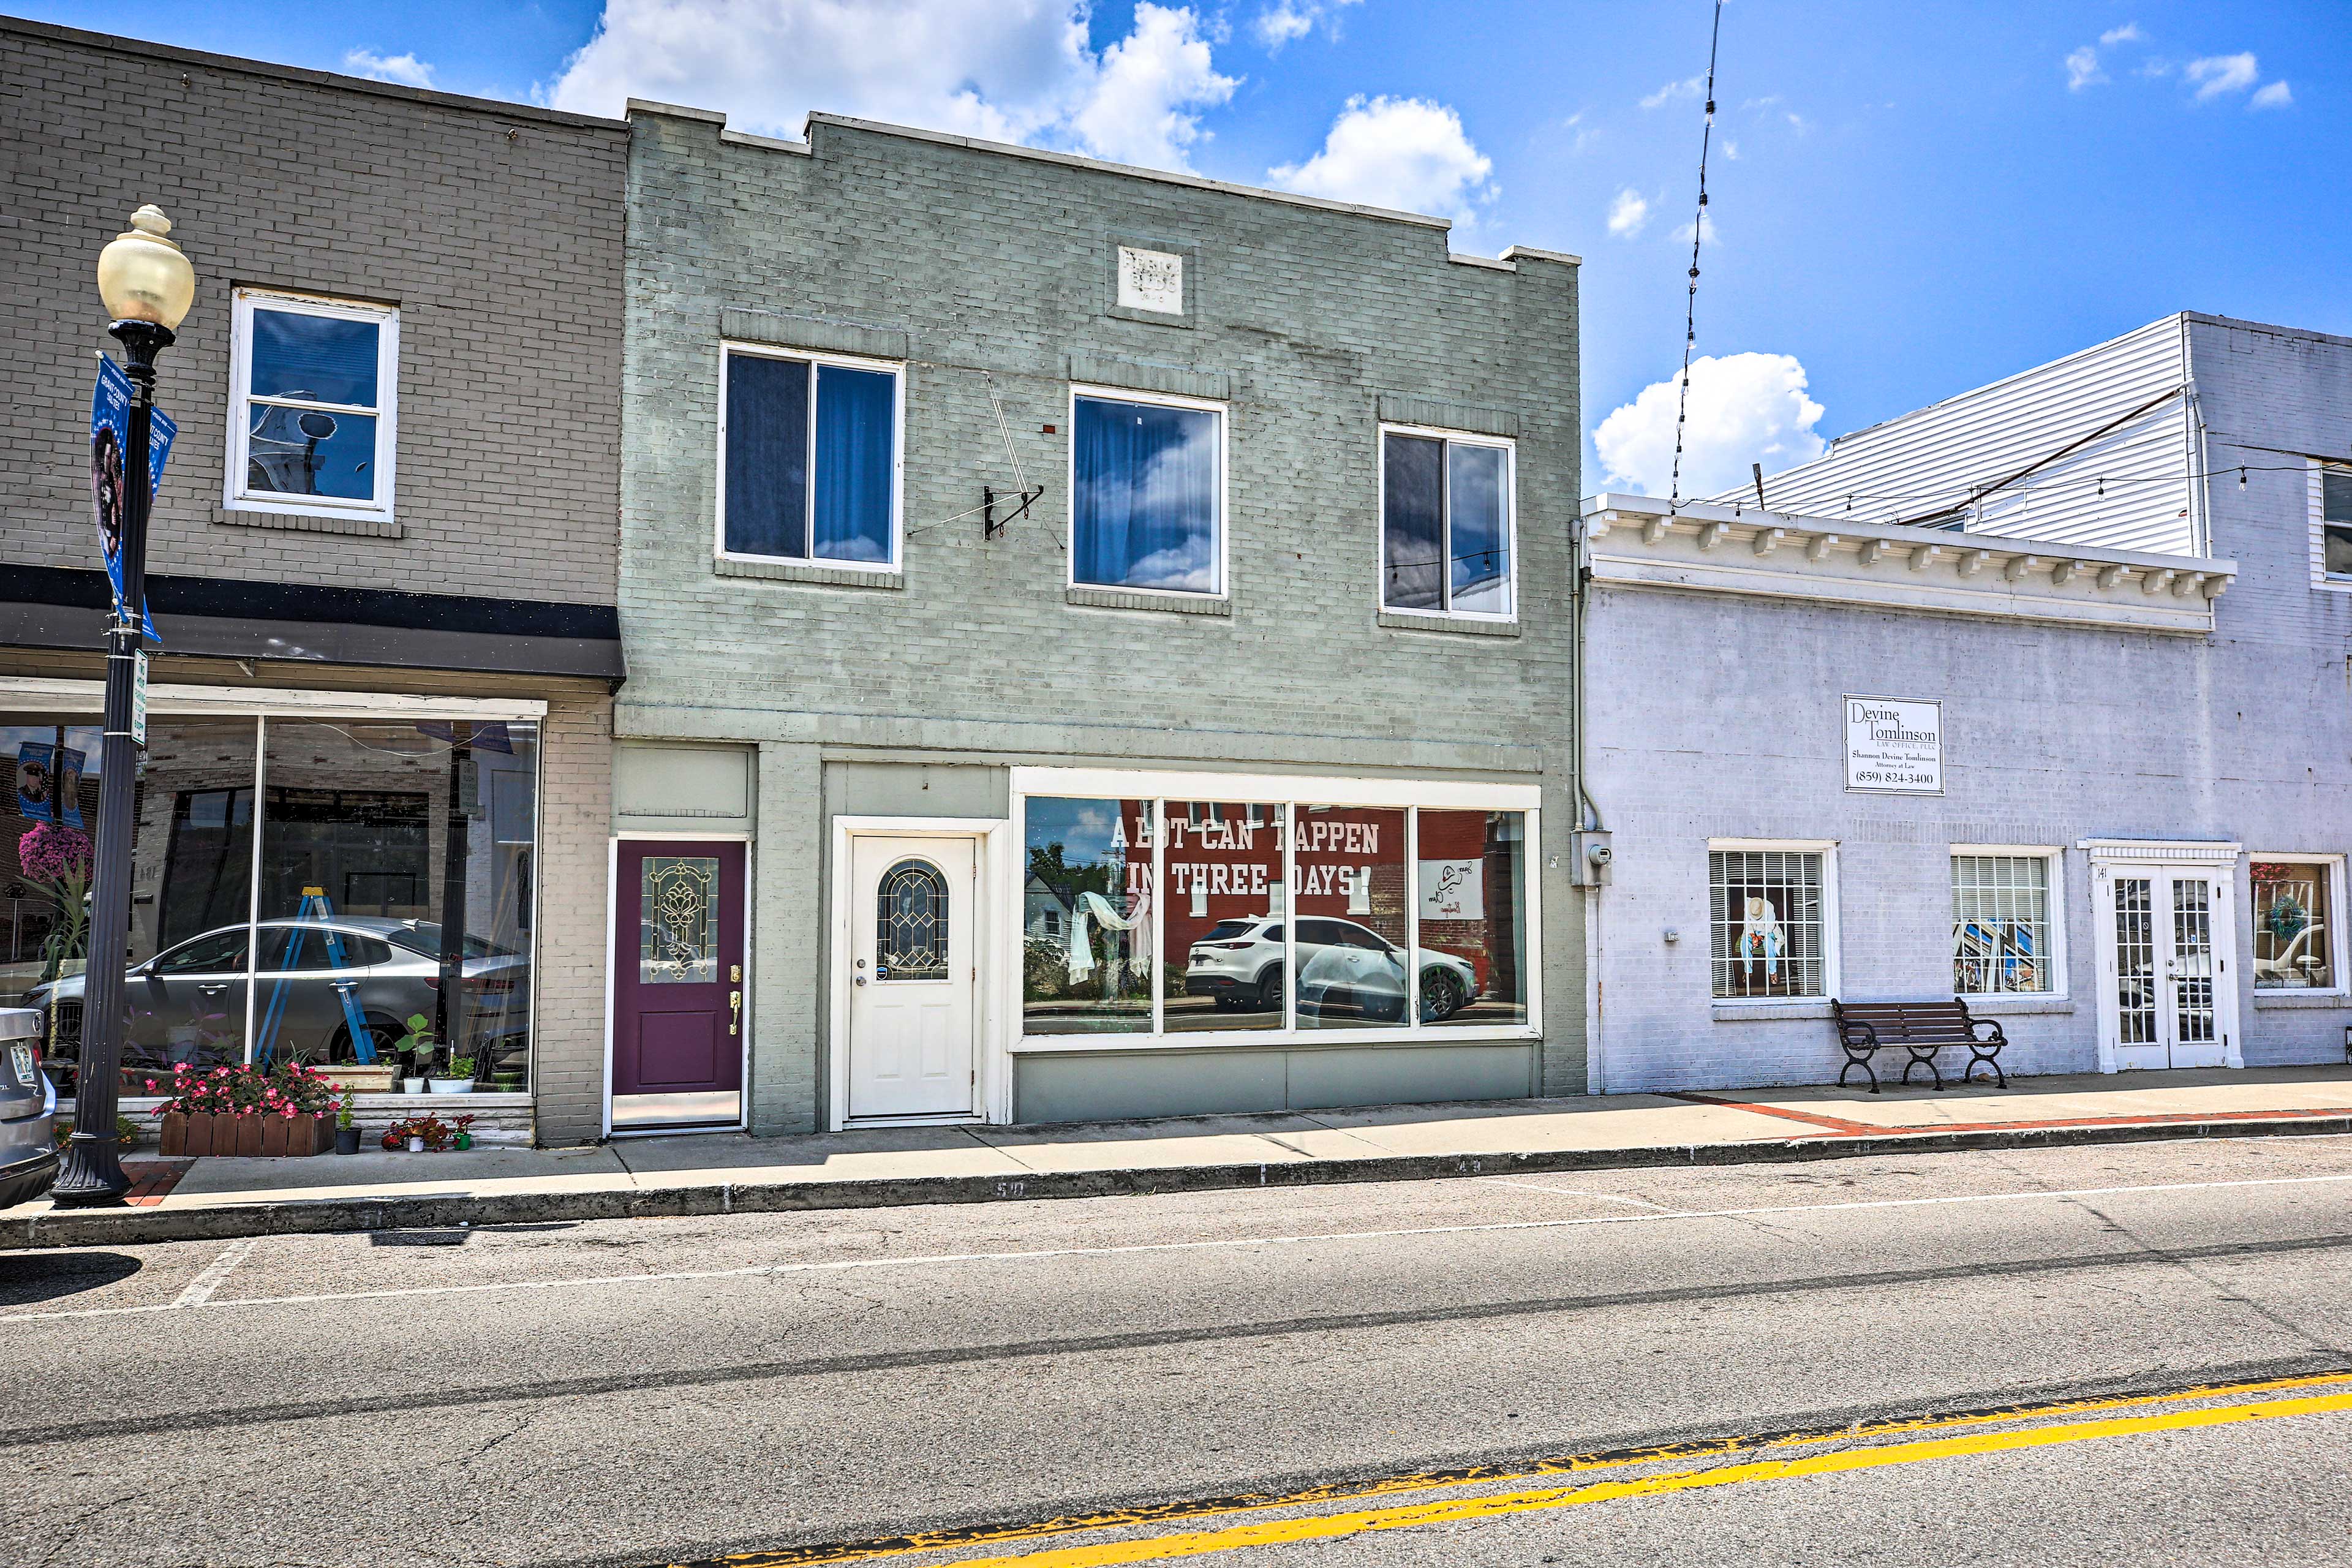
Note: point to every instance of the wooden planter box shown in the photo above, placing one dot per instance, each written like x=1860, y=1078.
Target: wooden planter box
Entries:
x=267, y=1136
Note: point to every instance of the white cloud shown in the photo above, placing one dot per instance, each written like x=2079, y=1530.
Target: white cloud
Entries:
x=1704, y=228
x=2128, y=33
x=2276, y=95
x=1628, y=213
x=1403, y=152
x=1286, y=21
x=1731, y=149
x=406, y=69
x=1010, y=70
x=1148, y=89
x=1689, y=87
x=1744, y=408
x=2217, y=74
x=2082, y=68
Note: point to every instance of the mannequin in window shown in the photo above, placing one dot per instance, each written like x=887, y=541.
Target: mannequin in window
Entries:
x=1760, y=938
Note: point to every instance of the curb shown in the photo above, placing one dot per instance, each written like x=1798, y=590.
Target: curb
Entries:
x=129, y=1228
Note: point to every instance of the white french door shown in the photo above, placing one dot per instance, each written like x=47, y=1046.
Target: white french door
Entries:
x=911, y=975
x=2167, y=998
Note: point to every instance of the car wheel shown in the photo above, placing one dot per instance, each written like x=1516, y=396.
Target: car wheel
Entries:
x=385, y=1031
x=1441, y=994
x=1269, y=990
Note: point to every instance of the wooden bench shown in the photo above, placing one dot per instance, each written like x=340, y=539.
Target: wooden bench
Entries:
x=1923, y=1028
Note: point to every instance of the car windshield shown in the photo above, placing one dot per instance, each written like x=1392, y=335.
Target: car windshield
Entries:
x=1224, y=930
x=424, y=937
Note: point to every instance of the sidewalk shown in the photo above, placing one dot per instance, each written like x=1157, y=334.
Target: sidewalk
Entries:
x=726, y=1172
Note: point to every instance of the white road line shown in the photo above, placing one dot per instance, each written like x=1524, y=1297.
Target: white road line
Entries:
x=1580, y=1192
x=845, y=1264
x=200, y=1289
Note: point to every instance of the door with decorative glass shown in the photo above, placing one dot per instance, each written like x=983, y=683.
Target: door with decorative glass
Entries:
x=909, y=969
x=2167, y=998
x=678, y=985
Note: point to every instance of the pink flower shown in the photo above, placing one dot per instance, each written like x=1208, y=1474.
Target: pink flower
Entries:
x=53, y=853
x=150, y=1086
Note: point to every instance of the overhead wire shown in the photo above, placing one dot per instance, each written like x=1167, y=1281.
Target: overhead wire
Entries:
x=1698, y=236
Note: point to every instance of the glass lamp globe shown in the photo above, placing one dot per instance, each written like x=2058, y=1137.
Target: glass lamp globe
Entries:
x=142, y=276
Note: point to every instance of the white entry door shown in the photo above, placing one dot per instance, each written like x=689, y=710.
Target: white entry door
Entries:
x=2167, y=998
x=911, y=975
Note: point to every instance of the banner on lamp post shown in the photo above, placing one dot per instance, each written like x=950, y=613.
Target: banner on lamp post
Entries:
x=109, y=467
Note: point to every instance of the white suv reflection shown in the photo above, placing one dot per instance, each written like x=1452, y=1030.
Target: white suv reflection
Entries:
x=1342, y=966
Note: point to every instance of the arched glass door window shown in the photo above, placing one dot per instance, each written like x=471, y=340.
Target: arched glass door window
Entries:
x=910, y=927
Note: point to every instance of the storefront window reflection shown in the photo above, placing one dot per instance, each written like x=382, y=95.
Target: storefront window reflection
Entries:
x=396, y=882
x=395, y=879
x=1227, y=954
x=1349, y=875
x=1473, y=892
x=1086, y=917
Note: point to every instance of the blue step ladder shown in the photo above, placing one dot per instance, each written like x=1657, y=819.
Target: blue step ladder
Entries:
x=315, y=907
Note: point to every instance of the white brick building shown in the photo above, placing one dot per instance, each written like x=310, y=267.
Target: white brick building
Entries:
x=2103, y=588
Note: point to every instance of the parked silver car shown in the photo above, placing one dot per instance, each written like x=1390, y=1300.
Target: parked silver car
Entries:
x=1341, y=967
x=187, y=1003
x=28, y=1110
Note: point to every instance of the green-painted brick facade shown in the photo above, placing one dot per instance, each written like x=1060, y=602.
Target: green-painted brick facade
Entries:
x=1311, y=322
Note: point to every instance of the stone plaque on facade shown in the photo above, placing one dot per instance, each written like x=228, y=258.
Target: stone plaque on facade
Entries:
x=1150, y=281
x=1894, y=746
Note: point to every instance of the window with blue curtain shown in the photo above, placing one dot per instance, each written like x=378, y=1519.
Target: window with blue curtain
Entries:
x=1445, y=525
x=811, y=460
x=1145, y=496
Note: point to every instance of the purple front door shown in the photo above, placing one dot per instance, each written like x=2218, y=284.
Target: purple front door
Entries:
x=678, y=984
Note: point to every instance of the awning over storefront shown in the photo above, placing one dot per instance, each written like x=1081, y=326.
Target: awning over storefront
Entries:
x=56, y=607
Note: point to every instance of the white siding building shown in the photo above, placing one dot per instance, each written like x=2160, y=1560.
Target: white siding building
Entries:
x=2040, y=696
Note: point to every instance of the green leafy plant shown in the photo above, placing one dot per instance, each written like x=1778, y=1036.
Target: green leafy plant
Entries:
x=287, y=1089
x=126, y=1131
x=420, y=1041
x=344, y=1116
x=461, y=1066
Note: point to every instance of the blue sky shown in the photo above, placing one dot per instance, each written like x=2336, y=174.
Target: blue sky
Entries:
x=1915, y=198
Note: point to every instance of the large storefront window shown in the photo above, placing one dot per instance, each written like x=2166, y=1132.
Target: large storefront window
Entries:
x=2001, y=924
x=1300, y=916
x=301, y=888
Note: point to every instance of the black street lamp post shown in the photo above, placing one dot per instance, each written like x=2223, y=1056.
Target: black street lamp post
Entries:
x=147, y=286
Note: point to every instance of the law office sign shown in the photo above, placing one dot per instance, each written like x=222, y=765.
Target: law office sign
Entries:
x=1894, y=746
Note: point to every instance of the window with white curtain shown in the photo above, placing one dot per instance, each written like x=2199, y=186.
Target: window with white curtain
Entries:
x=1147, y=493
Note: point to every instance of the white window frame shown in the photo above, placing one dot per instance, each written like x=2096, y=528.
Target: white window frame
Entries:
x=1832, y=944
x=2054, y=962
x=2339, y=942
x=897, y=371
x=1510, y=449
x=2315, y=483
x=1223, y=588
x=386, y=413
x=1262, y=789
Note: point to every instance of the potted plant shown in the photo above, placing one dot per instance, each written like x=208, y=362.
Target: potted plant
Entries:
x=347, y=1131
x=429, y=1134
x=419, y=1044
x=460, y=1079
x=284, y=1109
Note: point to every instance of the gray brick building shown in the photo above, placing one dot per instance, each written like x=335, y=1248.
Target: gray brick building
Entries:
x=2036, y=696
x=383, y=564
x=1099, y=643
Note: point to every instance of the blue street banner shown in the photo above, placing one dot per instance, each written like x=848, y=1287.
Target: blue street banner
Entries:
x=109, y=447
x=49, y=783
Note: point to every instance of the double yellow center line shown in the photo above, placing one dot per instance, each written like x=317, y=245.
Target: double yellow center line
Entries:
x=1491, y=1505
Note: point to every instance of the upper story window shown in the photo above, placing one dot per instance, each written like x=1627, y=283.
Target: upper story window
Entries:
x=1147, y=493
x=1447, y=524
x=2336, y=522
x=809, y=458
x=313, y=386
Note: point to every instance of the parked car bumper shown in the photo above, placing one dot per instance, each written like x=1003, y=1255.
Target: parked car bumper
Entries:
x=25, y=1180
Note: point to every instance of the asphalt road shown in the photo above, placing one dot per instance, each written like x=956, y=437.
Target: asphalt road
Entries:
x=2112, y=1356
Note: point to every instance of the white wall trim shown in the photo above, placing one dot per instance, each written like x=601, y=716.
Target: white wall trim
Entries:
x=251, y=701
